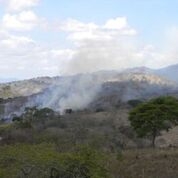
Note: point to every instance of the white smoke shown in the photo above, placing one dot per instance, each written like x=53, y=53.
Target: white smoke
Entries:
x=74, y=92
x=112, y=46
x=92, y=55
x=96, y=55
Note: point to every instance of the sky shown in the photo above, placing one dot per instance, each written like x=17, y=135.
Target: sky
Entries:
x=55, y=37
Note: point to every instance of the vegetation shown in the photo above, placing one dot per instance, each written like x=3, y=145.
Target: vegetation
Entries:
x=154, y=116
x=134, y=102
x=43, y=160
x=42, y=143
x=146, y=163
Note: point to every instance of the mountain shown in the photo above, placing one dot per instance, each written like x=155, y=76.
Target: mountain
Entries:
x=40, y=84
x=26, y=87
x=141, y=69
x=132, y=86
x=105, y=89
x=170, y=72
x=7, y=80
x=37, y=85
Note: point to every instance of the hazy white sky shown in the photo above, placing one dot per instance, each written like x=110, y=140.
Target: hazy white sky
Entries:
x=54, y=37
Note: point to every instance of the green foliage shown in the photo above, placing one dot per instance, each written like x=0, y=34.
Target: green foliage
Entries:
x=153, y=116
x=85, y=162
x=44, y=113
x=43, y=160
x=14, y=158
x=134, y=102
x=33, y=115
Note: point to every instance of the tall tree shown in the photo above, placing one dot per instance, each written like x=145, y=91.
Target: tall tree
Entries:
x=158, y=114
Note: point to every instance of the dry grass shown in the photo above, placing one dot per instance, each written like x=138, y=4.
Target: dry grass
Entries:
x=147, y=163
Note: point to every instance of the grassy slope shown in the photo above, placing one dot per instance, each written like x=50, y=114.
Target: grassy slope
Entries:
x=145, y=163
x=44, y=145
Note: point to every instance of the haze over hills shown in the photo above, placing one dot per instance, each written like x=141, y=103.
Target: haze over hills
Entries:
x=105, y=89
x=7, y=80
x=170, y=72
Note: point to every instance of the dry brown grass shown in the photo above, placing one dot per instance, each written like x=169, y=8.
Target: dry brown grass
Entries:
x=147, y=163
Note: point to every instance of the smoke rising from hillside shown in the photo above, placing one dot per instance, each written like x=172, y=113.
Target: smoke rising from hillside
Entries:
x=74, y=92
x=91, y=56
x=78, y=91
x=97, y=55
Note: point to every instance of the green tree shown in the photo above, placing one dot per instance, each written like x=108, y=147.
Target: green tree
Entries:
x=33, y=115
x=158, y=114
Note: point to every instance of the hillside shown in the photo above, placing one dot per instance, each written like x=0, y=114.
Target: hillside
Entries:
x=25, y=87
x=100, y=90
x=131, y=87
x=89, y=112
x=170, y=72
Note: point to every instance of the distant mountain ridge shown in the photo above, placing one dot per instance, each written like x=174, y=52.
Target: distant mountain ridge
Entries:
x=170, y=72
x=102, y=89
x=37, y=85
x=7, y=80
